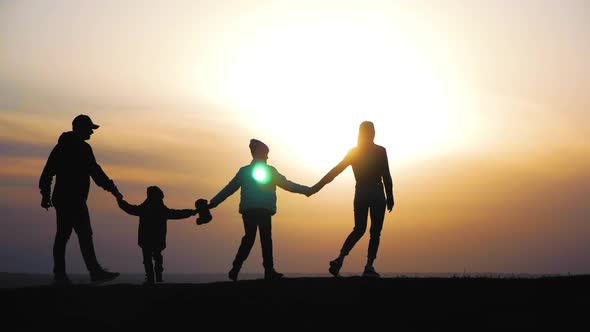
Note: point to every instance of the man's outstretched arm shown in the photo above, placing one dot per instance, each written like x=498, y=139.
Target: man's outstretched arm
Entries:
x=100, y=177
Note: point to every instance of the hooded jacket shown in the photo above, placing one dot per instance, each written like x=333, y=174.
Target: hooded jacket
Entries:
x=153, y=216
x=72, y=163
x=254, y=195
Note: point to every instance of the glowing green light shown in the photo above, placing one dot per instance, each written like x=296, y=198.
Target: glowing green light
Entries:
x=261, y=173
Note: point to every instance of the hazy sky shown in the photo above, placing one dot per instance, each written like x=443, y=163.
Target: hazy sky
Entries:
x=483, y=107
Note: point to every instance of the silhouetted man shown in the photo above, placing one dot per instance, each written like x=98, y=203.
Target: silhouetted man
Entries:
x=72, y=163
x=258, y=203
x=371, y=171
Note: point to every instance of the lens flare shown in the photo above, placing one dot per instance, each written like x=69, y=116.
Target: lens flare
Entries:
x=261, y=173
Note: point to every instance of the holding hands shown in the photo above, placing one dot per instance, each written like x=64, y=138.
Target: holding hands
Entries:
x=118, y=195
x=318, y=186
x=312, y=190
x=112, y=188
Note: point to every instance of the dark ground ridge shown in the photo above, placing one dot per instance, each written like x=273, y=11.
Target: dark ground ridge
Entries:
x=461, y=302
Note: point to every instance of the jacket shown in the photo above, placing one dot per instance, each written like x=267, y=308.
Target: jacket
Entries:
x=72, y=163
x=256, y=195
x=153, y=219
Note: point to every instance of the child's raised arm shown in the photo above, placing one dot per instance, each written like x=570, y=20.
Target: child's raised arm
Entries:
x=129, y=208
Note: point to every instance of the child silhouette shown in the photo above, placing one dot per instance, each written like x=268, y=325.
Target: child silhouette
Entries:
x=153, y=216
x=258, y=203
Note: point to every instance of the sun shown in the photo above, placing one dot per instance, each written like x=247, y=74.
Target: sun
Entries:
x=309, y=86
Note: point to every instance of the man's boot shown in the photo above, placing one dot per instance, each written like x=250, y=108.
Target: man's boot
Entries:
x=61, y=280
x=100, y=274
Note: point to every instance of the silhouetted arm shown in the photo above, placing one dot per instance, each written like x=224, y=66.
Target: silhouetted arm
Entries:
x=181, y=214
x=333, y=173
x=282, y=182
x=49, y=171
x=99, y=176
x=131, y=209
x=387, y=182
x=227, y=191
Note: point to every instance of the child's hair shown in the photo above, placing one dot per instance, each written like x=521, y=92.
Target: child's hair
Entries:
x=258, y=148
x=155, y=193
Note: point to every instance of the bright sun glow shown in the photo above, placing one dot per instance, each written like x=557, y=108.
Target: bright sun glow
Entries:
x=261, y=173
x=309, y=85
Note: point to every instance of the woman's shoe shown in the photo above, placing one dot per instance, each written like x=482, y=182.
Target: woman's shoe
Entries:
x=335, y=266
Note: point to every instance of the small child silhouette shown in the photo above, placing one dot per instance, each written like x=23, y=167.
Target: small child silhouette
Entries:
x=153, y=216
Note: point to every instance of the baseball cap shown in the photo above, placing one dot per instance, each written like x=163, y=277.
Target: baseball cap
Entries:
x=83, y=120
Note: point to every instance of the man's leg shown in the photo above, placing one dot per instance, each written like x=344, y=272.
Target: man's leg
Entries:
x=62, y=235
x=246, y=244
x=84, y=232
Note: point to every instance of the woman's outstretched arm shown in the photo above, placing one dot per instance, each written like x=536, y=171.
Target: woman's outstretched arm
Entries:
x=333, y=173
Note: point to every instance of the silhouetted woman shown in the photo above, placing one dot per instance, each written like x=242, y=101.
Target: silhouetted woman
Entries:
x=371, y=171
